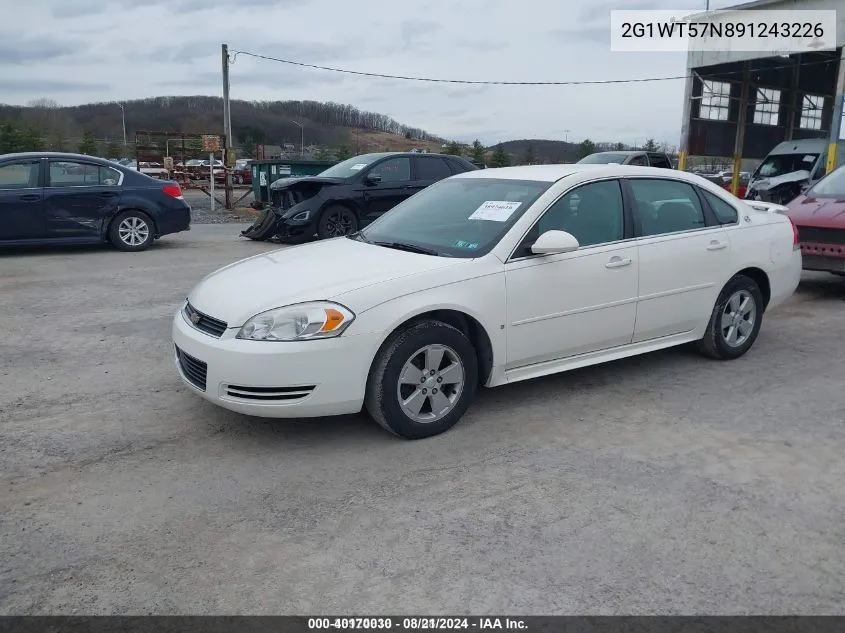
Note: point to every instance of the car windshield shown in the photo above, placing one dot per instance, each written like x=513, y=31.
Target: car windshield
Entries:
x=350, y=167
x=780, y=164
x=456, y=217
x=831, y=186
x=603, y=159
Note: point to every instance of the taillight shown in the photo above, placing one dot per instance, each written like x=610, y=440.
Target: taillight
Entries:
x=174, y=191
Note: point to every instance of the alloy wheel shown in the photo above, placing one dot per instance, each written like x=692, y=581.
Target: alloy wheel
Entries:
x=430, y=383
x=133, y=231
x=738, y=318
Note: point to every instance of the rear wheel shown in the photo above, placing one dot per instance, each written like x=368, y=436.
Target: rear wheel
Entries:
x=735, y=321
x=423, y=380
x=337, y=221
x=132, y=231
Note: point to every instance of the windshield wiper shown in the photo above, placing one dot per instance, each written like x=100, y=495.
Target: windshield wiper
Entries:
x=357, y=235
x=411, y=248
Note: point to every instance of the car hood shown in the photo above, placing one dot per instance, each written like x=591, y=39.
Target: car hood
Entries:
x=822, y=212
x=764, y=184
x=315, y=271
x=284, y=183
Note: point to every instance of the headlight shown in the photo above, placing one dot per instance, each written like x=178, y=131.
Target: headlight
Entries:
x=301, y=322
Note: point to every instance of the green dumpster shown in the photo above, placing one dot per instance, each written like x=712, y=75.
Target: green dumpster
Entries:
x=266, y=172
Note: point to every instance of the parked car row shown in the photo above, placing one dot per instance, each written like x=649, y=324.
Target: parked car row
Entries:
x=445, y=277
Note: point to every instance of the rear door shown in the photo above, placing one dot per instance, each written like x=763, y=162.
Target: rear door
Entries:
x=79, y=198
x=393, y=186
x=21, y=200
x=685, y=257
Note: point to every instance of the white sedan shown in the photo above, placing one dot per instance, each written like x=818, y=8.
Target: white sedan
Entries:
x=484, y=279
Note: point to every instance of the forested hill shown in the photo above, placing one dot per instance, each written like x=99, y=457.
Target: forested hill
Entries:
x=270, y=122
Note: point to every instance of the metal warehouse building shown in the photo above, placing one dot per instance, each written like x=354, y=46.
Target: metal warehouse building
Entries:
x=742, y=104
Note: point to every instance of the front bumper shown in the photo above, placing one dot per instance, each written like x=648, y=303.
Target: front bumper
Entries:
x=296, y=229
x=272, y=379
x=823, y=257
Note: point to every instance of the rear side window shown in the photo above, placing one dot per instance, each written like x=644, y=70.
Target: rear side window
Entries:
x=659, y=160
x=73, y=174
x=458, y=167
x=666, y=206
x=19, y=175
x=725, y=213
x=432, y=169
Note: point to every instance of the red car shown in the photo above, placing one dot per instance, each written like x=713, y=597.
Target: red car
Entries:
x=242, y=172
x=819, y=214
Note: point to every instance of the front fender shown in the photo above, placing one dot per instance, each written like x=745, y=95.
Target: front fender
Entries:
x=482, y=298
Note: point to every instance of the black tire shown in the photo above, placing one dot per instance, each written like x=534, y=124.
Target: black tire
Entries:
x=128, y=227
x=383, y=384
x=715, y=342
x=263, y=228
x=336, y=221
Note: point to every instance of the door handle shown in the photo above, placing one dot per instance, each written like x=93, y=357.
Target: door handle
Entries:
x=31, y=197
x=717, y=246
x=108, y=194
x=618, y=262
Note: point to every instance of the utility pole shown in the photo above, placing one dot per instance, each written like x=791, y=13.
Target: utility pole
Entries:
x=227, y=128
x=123, y=117
x=301, y=139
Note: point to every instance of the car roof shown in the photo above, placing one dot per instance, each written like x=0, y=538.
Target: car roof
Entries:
x=553, y=173
x=64, y=155
x=620, y=151
x=383, y=154
x=816, y=145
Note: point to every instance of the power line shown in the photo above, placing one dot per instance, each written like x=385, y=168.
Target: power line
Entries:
x=508, y=83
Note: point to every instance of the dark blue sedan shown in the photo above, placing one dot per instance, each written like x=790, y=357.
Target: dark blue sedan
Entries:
x=57, y=198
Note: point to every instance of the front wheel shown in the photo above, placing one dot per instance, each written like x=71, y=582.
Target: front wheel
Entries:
x=132, y=231
x=735, y=320
x=337, y=221
x=423, y=380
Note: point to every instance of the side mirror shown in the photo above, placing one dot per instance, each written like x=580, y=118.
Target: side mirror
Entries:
x=554, y=242
x=373, y=179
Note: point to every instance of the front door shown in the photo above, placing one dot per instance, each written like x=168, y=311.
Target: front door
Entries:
x=21, y=201
x=79, y=199
x=393, y=185
x=684, y=258
x=579, y=302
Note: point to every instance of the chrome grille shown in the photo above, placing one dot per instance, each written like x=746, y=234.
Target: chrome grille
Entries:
x=204, y=323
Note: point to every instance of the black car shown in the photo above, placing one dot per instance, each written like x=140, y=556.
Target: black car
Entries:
x=57, y=198
x=349, y=195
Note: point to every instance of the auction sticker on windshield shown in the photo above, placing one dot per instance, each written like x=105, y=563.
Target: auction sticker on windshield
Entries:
x=495, y=211
x=358, y=166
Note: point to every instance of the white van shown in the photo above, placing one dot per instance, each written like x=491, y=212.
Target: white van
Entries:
x=790, y=168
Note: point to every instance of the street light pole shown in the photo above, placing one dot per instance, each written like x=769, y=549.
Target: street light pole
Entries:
x=301, y=140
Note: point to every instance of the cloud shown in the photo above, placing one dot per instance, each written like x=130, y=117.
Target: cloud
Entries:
x=41, y=86
x=15, y=50
x=129, y=49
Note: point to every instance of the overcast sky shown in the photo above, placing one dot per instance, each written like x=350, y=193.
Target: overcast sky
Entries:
x=78, y=51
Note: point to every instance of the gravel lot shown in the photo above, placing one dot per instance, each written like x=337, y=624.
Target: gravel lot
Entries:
x=661, y=484
x=201, y=212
